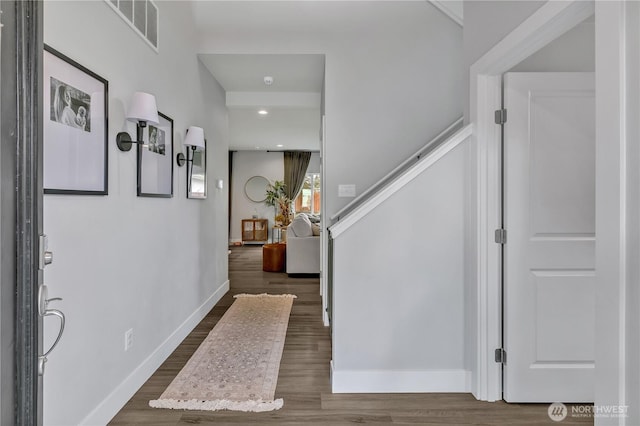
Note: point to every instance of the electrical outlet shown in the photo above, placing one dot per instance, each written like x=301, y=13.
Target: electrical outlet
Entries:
x=128, y=339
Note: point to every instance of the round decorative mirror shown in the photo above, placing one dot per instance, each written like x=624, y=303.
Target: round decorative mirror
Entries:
x=256, y=188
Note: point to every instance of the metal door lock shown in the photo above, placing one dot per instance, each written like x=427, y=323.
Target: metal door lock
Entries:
x=46, y=256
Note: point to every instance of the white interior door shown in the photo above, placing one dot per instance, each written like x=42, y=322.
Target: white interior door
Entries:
x=549, y=256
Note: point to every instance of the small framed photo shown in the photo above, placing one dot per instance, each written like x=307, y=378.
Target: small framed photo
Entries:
x=197, y=173
x=155, y=165
x=76, y=107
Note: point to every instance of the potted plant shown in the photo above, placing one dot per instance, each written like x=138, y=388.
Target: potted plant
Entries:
x=275, y=192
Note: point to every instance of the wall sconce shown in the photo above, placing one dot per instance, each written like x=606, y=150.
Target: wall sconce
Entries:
x=142, y=111
x=194, y=139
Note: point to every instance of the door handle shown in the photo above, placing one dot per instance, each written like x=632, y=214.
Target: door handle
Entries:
x=46, y=312
x=59, y=314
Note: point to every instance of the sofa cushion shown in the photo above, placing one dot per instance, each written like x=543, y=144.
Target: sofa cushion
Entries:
x=301, y=226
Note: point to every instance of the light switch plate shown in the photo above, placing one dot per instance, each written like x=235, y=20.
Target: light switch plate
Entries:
x=347, y=190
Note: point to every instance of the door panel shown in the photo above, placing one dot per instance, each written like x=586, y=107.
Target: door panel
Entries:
x=549, y=258
x=21, y=210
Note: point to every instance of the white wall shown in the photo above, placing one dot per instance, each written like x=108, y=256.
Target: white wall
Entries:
x=121, y=261
x=393, y=76
x=574, y=51
x=247, y=164
x=398, y=313
x=314, y=163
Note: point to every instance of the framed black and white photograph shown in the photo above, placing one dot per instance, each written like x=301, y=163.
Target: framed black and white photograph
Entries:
x=197, y=173
x=155, y=165
x=75, y=127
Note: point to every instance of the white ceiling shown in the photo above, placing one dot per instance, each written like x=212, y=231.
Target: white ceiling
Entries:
x=293, y=100
x=244, y=73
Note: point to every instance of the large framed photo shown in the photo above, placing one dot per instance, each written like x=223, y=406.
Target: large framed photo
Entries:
x=75, y=127
x=197, y=173
x=155, y=165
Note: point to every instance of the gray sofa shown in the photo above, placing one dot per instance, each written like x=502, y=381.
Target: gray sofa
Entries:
x=303, y=247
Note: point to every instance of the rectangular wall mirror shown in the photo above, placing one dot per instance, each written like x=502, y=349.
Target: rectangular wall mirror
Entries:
x=197, y=174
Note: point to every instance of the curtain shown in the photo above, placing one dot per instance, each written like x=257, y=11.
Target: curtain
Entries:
x=295, y=169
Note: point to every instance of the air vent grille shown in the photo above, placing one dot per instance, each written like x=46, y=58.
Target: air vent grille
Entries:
x=141, y=15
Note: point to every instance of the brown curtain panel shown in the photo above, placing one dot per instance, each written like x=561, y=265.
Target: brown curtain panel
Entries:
x=295, y=169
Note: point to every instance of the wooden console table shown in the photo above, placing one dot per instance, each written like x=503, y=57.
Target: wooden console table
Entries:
x=255, y=230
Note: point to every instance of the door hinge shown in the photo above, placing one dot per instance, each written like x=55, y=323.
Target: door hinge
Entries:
x=501, y=116
x=501, y=356
x=501, y=236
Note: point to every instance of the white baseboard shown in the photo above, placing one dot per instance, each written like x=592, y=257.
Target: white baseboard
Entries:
x=400, y=381
x=110, y=406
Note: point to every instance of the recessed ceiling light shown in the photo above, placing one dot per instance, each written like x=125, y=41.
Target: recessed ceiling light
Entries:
x=279, y=145
x=263, y=112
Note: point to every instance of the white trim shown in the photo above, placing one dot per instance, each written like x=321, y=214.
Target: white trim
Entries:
x=410, y=174
x=489, y=379
x=616, y=55
x=324, y=236
x=454, y=13
x=110, y=406
x=399, y=381
x=546, y=24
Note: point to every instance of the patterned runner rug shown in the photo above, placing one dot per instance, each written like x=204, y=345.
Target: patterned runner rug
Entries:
x=236, y=366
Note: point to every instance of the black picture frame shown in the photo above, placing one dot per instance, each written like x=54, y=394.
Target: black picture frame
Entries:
x=155, y=159
x=75, y=127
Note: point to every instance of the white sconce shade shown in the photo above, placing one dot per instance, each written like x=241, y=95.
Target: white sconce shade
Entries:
x=142, y=111
x=195, y=137
x=143, y=108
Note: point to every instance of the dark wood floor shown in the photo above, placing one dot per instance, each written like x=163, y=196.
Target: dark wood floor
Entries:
x=304, y=374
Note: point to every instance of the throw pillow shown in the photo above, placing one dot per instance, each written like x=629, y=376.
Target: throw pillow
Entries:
x=315, y=229
x=301, y=226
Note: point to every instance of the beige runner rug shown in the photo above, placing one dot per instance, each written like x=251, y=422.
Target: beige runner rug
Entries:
x=236, y=366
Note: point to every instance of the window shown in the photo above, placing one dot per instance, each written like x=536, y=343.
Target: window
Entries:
x=308, y=200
